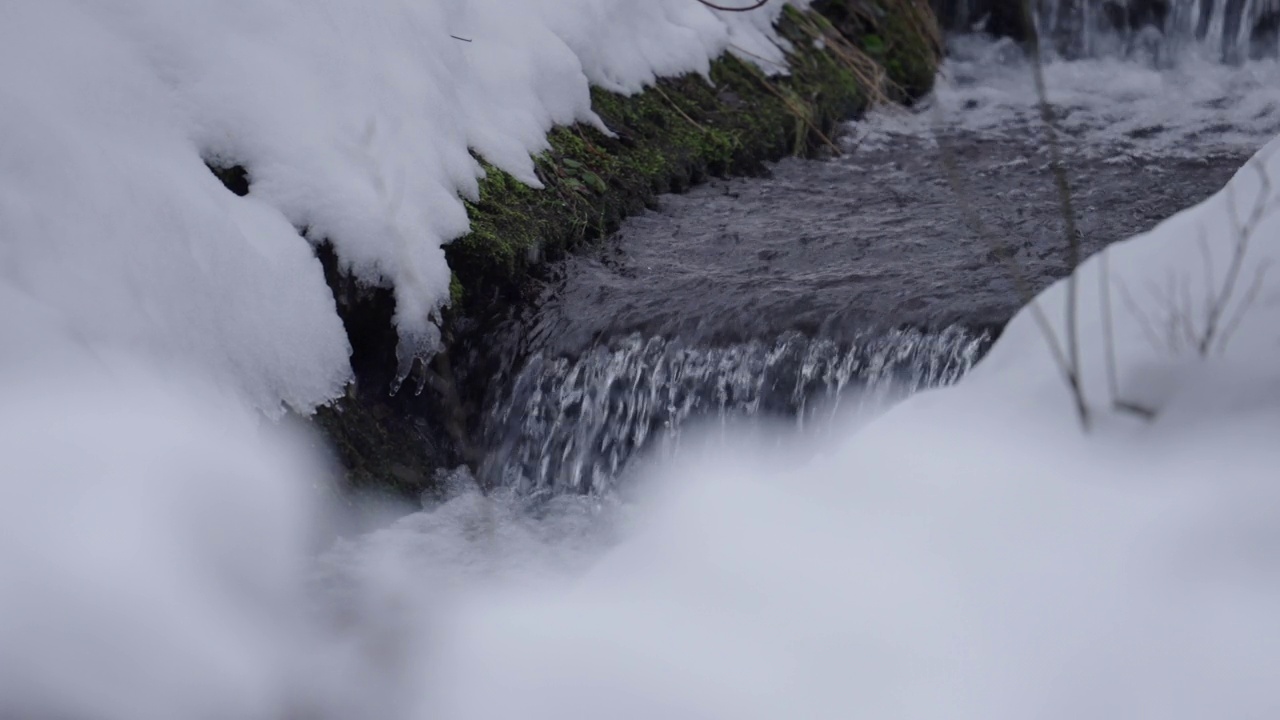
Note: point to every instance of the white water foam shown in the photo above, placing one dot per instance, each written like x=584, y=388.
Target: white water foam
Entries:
x=1104, y=107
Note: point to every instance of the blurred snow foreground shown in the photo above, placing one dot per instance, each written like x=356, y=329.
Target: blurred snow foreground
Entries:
x=356, y=121
x=969, y=554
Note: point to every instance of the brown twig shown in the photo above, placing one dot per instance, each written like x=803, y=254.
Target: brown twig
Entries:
x=677, y=108
x=795, y=106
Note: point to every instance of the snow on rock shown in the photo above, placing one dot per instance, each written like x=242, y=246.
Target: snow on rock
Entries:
x=355, y=121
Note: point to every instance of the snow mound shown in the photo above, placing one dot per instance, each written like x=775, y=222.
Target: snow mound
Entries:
x=1180, y=321
x=972, y=553
x=356, y=122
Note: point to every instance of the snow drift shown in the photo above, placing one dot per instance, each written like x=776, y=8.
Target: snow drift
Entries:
x=356, y=123
x=970, y=554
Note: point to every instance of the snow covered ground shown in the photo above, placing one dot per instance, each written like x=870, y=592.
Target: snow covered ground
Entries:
x=970, y=554
x=356, y=121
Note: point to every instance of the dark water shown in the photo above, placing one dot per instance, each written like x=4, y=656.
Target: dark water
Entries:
x=886, y=269
x=878, y=238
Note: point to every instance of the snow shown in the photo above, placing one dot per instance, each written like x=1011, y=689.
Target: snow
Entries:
x=356, y=122
x=969, y=554
x=972, y=553
x=150, y=551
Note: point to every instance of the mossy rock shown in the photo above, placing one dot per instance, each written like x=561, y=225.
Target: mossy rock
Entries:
x=680, y=131
x=664, y=139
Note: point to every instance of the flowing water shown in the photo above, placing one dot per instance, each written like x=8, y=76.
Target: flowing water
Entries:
x=881, y=271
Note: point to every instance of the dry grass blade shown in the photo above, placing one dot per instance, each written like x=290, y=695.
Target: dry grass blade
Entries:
x=1067, y=210
x=797, y=108
x=678, y=109
x=978, y=228
x=869, y=73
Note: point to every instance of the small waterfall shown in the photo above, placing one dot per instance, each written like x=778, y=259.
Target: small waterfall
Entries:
x=1232, y=30
x=571, y=424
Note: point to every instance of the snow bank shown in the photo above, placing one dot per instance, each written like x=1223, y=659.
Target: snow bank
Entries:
x=970, y=554
x=151, y=545
x=356, y=122
x=1146, y=306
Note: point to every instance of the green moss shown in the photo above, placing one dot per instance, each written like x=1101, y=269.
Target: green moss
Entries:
x=902, y=35
x=676, y=133
x=456, y=293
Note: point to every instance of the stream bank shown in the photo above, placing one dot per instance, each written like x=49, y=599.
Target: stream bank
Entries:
x=844, y=55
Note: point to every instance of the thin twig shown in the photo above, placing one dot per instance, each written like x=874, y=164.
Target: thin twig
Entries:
x=759, y=4
x=1243, y=233
x=1145, y=323
x=1108, y=331
x=739, y=49
x=978, y=228
x=866, y=70
x=1108, y=336
x=678, y=109
x=1070, y=231
x=794, y=106
x=1249, y=298
x=1206, y=258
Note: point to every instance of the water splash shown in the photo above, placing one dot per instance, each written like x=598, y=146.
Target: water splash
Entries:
x=1107, y=109
x=1231, y=30
x=571, y=424
x=1227, y=30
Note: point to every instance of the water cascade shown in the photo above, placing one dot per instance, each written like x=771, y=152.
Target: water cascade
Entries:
x=571, y=424
x=1231, y=30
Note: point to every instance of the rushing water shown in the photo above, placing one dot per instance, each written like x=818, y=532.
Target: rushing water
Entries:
x=578, y=420
x=776, y=295
x=1230, y=31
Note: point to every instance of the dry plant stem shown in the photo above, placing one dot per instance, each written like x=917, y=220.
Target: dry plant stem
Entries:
x=678, y=109
x=864, y=68
x=1109, y=339
x=978, y=228
x=1108, y=330
x=796, y=109
x=1145, y=323
x=1067, y=210
x=1179, y=319
x=1206, y=259
x=761, y=58
x=1262, y=207
x=1247, y=302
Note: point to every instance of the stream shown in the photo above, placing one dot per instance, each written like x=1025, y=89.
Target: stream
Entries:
x=857, y=279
